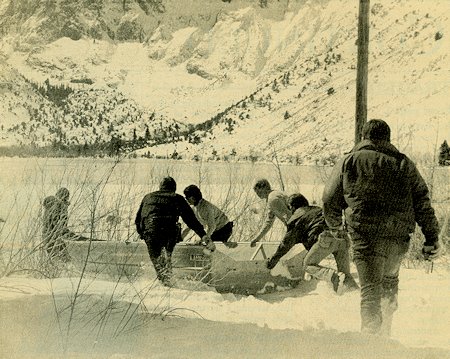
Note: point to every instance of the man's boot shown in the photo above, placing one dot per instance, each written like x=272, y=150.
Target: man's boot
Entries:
x=350, y=283
x=337, y=280
x=388, y=307
x=166, y=269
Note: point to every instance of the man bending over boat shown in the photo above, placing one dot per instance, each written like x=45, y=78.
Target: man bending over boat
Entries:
x=218, y=226
x=55, y=225
x=307, y=226
x=157, y=224
x=277, y=206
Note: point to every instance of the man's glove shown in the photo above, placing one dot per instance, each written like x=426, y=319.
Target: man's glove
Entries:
x=339, y=234
x=208, y=243
x=205, y=239
x=253, y=243
x=432, y=252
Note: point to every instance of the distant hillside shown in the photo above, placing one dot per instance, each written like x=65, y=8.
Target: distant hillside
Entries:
x=255, y=78
x=305, y=113
x=40, y=115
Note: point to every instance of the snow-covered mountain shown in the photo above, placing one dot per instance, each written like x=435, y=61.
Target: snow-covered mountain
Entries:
x=256, y=77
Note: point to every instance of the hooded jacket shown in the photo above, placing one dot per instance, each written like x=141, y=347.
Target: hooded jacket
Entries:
x=382, y=193
x=159, y=213
x=55, y=221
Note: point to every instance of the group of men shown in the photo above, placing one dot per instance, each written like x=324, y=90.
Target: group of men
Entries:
x=157, y=223
x=371, y=203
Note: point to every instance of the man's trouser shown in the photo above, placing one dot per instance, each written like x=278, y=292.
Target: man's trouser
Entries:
x=326, y=245
x=223, y=234
x=378, y=261
x=57, y=249
x=161, y=260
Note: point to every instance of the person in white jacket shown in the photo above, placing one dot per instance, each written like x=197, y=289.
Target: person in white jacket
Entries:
x=216, y=223
x=277, y=206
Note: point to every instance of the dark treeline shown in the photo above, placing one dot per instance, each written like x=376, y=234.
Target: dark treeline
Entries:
x=55, y=93
x=113, y=148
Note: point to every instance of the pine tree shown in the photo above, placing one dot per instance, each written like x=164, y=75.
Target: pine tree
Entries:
x=444, y=154
x=147, y=134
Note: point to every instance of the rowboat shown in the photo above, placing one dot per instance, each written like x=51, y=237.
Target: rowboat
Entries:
x=239, y=268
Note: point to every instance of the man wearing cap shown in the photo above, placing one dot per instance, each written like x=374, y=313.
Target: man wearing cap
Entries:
x=157, y=224
x=384, y=196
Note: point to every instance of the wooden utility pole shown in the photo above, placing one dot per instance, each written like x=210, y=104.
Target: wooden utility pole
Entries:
x=362, y=68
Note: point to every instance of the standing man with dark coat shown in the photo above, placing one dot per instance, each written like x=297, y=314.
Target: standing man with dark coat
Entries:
x=384, y=196
x=157, y=224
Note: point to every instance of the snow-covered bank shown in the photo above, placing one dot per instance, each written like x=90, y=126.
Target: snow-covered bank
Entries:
x=32, y=332
x=421, y=321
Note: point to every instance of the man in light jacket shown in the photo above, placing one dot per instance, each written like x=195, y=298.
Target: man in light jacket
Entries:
x=277, y=207
x=216, y=223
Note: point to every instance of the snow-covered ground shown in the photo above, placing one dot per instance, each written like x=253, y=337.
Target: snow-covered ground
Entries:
x=422, y=320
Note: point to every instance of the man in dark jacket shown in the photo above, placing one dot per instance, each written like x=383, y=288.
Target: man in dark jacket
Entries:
x=157, y=224
x=307, y=226
x=56, y=225
x=383, y=195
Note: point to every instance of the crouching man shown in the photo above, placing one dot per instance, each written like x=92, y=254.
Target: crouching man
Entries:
x=307, y=226
x=157, y=224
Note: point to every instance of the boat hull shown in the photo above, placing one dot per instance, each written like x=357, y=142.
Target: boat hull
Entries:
x=241, y=269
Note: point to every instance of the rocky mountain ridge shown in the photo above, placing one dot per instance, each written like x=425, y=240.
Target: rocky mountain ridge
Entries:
x=256, y=78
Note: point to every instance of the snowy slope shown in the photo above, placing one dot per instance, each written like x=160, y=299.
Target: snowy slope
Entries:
x=312, y=117
x=195, y=62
